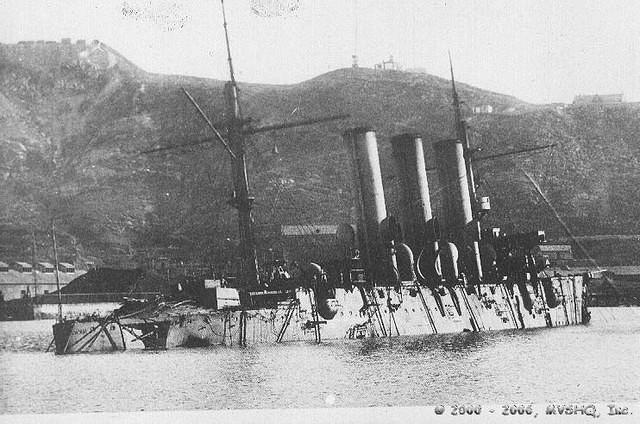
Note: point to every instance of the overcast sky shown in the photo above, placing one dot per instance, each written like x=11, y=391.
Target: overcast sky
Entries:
x=538, y=50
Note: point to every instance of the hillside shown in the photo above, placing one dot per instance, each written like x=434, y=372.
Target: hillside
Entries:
x=74, y=117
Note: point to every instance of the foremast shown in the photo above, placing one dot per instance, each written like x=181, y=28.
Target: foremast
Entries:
x=472, y=233
x=241, y=198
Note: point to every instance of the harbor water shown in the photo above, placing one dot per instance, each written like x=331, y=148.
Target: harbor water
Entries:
x=592, y=363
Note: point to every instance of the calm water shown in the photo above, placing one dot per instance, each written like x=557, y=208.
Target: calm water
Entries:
x=594, y=363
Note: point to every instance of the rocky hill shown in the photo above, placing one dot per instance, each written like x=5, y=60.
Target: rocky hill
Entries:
x=74, y=117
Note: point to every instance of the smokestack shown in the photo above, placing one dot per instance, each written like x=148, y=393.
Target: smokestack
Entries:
x=408, y=152
x=452, y=174
x=369, y=198
x=458, y=214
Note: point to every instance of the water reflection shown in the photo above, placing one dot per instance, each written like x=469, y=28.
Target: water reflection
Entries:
x=367, y=347
x=459, y=343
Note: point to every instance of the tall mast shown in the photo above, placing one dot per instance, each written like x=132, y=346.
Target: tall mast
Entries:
x=226, y=37
x=461, y=133
x=241, y=199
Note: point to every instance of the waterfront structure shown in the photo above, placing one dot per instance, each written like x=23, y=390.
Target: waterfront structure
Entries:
x=20, y=281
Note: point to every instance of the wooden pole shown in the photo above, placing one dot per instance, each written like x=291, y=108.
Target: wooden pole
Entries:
x=55, y=259
x=33, y=263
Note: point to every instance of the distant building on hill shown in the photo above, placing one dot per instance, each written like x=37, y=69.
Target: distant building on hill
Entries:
x=388, y=65
x=483, y=109
x=594, y=99
x=558, y=107
x=46, y=54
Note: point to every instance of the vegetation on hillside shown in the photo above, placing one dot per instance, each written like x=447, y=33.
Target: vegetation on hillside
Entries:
x=72, y=132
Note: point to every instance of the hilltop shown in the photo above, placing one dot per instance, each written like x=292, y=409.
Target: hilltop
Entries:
x=74, y=117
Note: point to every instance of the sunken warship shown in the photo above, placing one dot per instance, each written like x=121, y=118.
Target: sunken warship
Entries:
x=415, y=275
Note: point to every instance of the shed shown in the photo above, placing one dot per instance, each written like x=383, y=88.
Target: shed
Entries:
x=620, y=285
x=555, y=252
x=45, y=267
x=22, y=266
x=66, y=267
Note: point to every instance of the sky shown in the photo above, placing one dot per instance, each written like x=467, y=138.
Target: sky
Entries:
x=540, y=51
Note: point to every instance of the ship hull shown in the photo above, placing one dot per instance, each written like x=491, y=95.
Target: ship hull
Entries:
x=378, y=312
x=88, y=336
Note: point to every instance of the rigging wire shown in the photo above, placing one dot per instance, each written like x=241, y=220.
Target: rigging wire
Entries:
x=559, y=219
